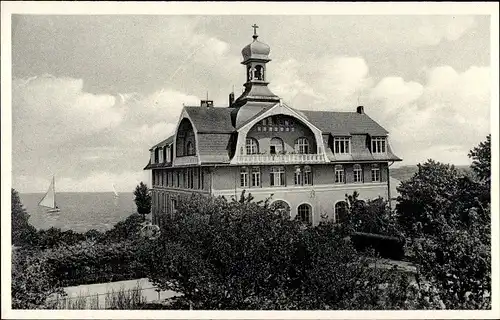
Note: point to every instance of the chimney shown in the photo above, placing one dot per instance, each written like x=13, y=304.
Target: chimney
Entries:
x=231, y=99
x=207, y=103
x=360, y=110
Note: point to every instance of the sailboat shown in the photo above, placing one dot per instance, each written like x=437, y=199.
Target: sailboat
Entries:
x=114, y=191
x=49, y=200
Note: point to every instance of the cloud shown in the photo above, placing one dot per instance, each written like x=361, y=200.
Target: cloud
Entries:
x=50, y=111
x=441, y=119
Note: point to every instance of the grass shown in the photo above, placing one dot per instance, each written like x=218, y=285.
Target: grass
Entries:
x=121, y=299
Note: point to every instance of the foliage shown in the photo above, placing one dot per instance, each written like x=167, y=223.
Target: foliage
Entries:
x=372, y=216
x=436, y=196
x=447, y=215
x=23, y=233
x=457, y=263
x=387, y=247
x=127, y=229
x=90, y=262
x=54, y=237
x=142, y=199
x=222, y=254
x=32, y=280
x=481, y=164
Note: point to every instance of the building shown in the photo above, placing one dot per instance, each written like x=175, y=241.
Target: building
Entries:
x=307, y=160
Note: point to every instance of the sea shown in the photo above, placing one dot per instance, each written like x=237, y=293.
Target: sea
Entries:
x=80, y=211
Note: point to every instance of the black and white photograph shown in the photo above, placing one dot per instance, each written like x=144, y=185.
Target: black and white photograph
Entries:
x=237, y=160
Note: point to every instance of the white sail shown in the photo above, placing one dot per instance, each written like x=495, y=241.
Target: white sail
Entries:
x=49, y=200
x=114, y=190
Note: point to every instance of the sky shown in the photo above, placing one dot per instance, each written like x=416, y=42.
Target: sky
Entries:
x=92, y=93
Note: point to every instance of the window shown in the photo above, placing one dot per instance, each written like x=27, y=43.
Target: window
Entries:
x=244, y=177
x=173, y=205
x=153, y=176
x=375, y=173
x=200, y=184
x=178, y=182
x=189, y=149
x=276, y=146
x=339, y=174
x=303, y=176
x=168, y=154
x=302, y=145
x=190, y=178
x=341, y=145
x=298, y=176
x=304, y=213
x=307, y=175
x=165, y=159
x=255, y=177
x=281, y=207
x=358, y=173
x=277, y=176
x=340, y=211
x=378, y=145
x=252, y=146
x=157, y=156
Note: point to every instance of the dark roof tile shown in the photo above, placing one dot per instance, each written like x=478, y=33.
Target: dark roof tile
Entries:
x=211, y=119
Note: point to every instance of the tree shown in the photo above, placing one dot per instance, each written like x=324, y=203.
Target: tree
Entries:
x=142, y=199
x=481, y=164
x=23, y=233
x=239, y=254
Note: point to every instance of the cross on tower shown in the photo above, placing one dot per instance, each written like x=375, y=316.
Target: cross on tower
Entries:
x=255, y=30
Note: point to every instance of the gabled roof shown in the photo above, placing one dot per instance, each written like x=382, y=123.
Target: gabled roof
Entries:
x=211, y=119
x=344, y=123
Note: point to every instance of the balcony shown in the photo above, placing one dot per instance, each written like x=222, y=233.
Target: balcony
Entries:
x=281, y=159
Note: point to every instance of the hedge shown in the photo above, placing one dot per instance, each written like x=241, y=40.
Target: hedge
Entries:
x=386, y=246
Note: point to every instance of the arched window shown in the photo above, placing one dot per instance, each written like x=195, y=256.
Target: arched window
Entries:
x=340, y=211
x=259, y=72
x=302, y=145
x=252, y=146
x=276, y=146
x=281, y=207
x=304, y=213
x=190, y=148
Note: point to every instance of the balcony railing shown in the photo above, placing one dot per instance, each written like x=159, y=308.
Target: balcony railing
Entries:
x=280, y=158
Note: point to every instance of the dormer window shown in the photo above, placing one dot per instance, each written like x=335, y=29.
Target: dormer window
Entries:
x=190, y=149
x=157, y=156
x=341, y=145
x=302, y=145
x=378, y=145
x=160, y=153
x=252, y=146
x=276, y=146
x=167, y=154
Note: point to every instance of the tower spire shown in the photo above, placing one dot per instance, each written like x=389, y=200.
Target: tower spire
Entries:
x=255, y=35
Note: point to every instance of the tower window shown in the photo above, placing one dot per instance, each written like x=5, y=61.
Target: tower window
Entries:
x=252, y=146
x=259, y=72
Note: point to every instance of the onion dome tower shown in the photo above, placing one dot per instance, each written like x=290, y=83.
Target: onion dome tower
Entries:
x=257, y=94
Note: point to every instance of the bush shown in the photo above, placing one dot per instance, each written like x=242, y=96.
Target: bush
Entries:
x=223, y=254
x=23, y=233
x=87, y=262
x=387, y=247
